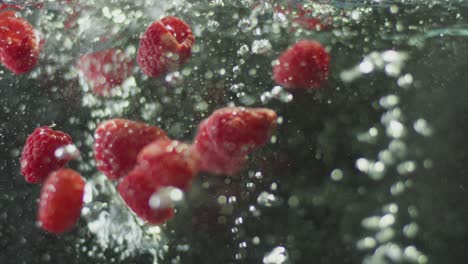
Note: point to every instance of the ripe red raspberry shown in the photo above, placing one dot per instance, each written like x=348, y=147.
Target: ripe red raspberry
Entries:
x=38, y=158
x=136, y=190
x=61, y=201
x=226, y=137
x=304, y=65
x=213, y=161
x=19, y=43
x=171, y=162
x=163, y=163
x=117, y=143
x=105, y=69
x=165, y=45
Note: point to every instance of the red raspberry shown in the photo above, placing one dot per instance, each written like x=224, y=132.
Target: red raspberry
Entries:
x=105, y=69
x=229, y=134
x=213, y=161
x=19, y=43
x=165, y=45
x=162, y=163
x=61, y=201
x=38, y=158
x=117, y=143
x=171, y=162
x=136, y=190
x=304, y=65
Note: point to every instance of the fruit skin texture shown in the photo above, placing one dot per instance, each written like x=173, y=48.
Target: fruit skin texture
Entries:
x=136, y=190
x=61, y=201
x=162, y=163
x=38, y=157
x=171, y=162
x=212, y=160
x=304, y=65
x=225, y=138
x=118, y=142
x=164, y=46
x=105, y=69
x=19, y=43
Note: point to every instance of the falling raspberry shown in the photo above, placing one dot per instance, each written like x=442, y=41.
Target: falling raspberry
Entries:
x=38, y=158
x=226, y=137
x=105, y=69
x=304, y=65
x=61, y=201
x=117, y=143
x=212, y=160
x=171, y=162
x=165, y=45
x=136, y=190
x=19, y=43
x=163, y=163
x=301, y=16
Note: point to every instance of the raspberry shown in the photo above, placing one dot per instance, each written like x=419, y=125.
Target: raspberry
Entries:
x=105, y=69
x=38, y=158
x=61, y=201
x=163, y=163
x=213, y=161
x=136, y=190
x=172, y=163
x=299, y=15
x=19, y=43
x=117, y=143
x=226, y=137
x=165, y=45
x=304, y=65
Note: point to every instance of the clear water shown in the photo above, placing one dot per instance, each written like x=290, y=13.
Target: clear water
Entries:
x=368, y=169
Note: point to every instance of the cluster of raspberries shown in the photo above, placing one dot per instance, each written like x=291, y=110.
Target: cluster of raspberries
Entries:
x=141, y=158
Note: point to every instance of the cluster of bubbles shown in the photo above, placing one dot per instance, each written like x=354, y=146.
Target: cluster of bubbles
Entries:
x=383, y=229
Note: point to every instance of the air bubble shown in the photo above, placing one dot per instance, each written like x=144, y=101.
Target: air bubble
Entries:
x=67, y=152
x=268, y=200
x=166, y=197
x=262, y=46
x=278, y=255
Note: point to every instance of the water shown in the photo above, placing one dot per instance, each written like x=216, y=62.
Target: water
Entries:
x=367, y=169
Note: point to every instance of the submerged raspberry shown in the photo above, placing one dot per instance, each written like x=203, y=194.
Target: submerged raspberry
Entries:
x=214, y=161
x=105, y=69
x=226, y=137
x=61, y=201
x=19, y=43
x=136, y=190
x=163, y=163
x=164, y=46
x=171, y=162
x=304, y=65
x=118, y=142
x=38, y=158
